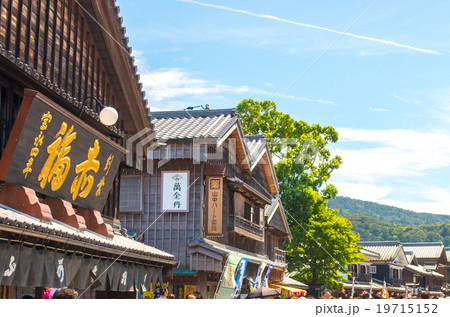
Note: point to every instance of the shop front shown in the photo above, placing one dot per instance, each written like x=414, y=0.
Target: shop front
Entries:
x=37, y=258
x=244, y=273
x=57, y=172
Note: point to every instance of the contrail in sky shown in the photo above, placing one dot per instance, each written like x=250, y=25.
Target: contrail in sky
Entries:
x=272, y=17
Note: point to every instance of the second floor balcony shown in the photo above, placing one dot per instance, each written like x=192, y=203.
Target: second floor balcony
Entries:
x=397, y=281
x=246, y=228
x=362, y=277
x=279, y=255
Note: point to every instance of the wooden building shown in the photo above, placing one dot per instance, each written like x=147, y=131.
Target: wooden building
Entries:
x=432, y=256
x=207, y=192
x=416, y=267
x=60, y=62
x=389, y=265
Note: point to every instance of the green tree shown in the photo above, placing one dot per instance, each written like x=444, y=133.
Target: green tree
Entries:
x=322, y=244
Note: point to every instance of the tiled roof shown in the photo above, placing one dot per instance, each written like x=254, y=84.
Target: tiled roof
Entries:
x=388, y=250
x=447, y=252
x=178, y=125
x=12, y=220
x=252, y=257
x=425, y=249
x=409, y=256
x=256, y=145
x=270, y=209
x=418, y=269
x=370, y=255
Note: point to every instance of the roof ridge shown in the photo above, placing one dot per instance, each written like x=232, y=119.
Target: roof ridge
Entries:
x=193, y=113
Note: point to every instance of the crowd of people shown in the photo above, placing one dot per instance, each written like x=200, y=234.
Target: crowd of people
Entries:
x=366, y=295
x=163, y=293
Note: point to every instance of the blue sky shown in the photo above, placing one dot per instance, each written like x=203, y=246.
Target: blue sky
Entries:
x=384, y=84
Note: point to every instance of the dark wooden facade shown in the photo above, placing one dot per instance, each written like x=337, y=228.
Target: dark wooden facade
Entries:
x=69, y=51
x=247, y=194
x=60, y=48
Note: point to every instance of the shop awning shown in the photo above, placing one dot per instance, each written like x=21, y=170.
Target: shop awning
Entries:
x=292, y=289
x=396, y=289
x=363, y=285
x=206, y=251
x=34, y=253
x=16, y=222
x=182, y=271
x=34, y=266
x=290, y=282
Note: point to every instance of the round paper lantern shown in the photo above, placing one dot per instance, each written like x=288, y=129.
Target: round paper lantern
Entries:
x=108, y=116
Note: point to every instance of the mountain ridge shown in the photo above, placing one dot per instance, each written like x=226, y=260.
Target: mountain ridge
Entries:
x=377, y=222
x=348, y=206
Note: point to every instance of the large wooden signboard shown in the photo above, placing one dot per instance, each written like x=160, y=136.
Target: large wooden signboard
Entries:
x=55, y=153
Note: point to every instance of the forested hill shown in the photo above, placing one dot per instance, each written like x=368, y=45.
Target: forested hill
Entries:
x=376, y=222
x=348, y=206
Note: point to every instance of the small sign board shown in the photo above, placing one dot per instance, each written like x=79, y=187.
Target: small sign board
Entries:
x=174, y=191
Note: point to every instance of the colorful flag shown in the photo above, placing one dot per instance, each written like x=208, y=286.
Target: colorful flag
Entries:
x=227, y=285
x=353, y=286
x=384, y=292
x=258, y=278
x=240, y=269
x=266, y=279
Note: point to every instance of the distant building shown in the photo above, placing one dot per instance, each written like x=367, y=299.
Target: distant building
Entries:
x=432, y=256
x=412, y=267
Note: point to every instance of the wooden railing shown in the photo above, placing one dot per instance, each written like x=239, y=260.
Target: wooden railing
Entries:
x=247, y=225
x=362, y=277
x=396, y=281
x=280, y=255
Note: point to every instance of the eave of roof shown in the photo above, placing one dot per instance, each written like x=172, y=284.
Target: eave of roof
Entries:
x=110, y=37
x=14, y=221
x=270, y=211
x=226, y=249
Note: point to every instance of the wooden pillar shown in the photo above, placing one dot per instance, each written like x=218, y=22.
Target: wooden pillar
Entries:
x=201, y=283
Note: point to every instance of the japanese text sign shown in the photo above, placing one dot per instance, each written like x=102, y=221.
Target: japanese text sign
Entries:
x=215, y=193
x=175, y=191
x=55, y=153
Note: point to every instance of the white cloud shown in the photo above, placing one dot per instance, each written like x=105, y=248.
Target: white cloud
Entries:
x=172, y=83
x=169, y=86
x=372, y=159
x=440, y=104
x=379, y=109
x=396, y=151
x=406, y=99
x=369, y=192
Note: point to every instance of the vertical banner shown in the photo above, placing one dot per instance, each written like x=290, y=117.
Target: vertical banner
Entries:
x=240, y=270
x=384, y=291
x=226, y=286
x=175, y=191
x=353, y=287
x=258, y=278
x=266, y=279
x=215, y=196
